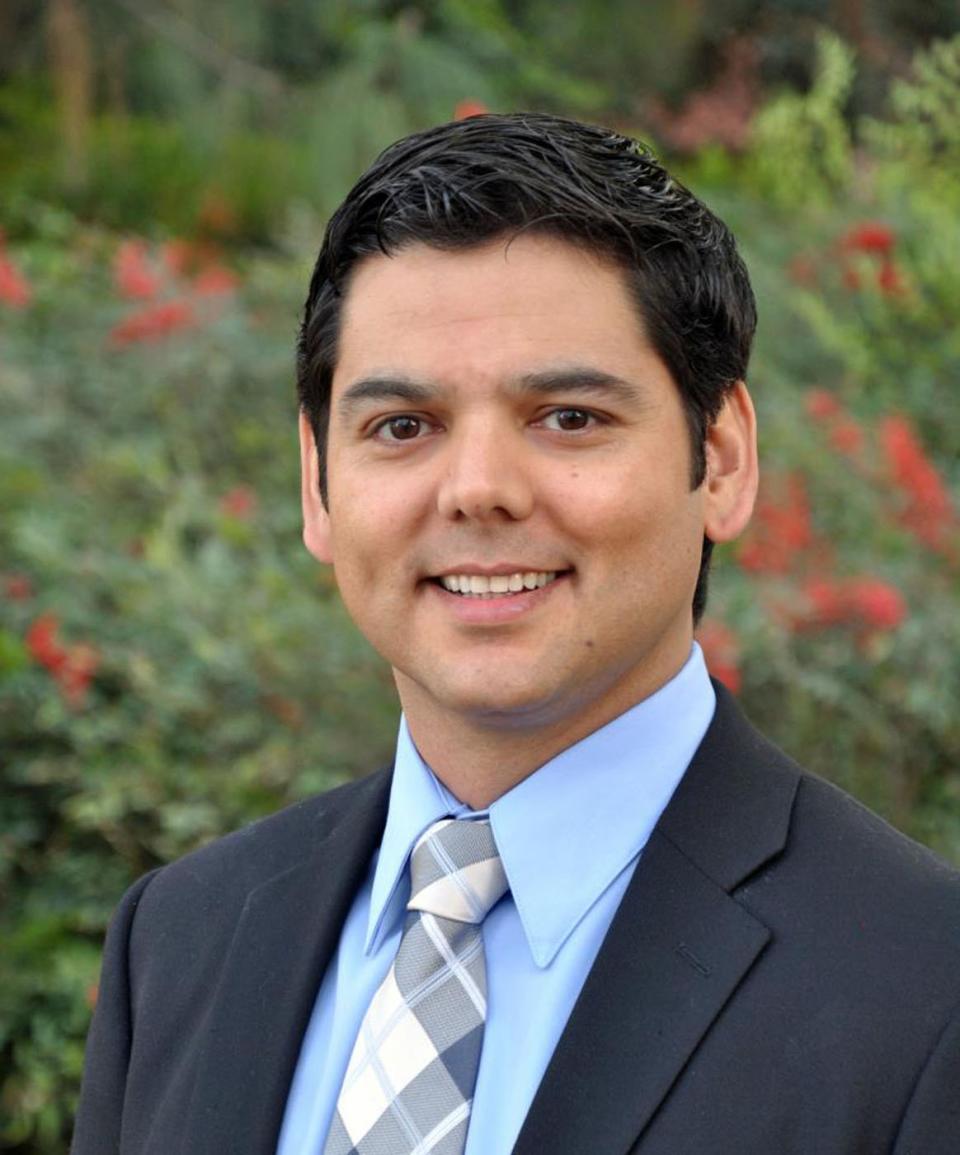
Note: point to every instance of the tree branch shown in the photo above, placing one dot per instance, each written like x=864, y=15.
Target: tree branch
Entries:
x=175, y=28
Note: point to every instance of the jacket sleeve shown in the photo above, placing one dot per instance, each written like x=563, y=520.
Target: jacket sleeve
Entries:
x=931, y=1122
x=99, y=1116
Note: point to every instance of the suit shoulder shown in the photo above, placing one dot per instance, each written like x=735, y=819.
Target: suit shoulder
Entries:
x=848, y=833
x=813, y=832
x=233, y=865
x=850, y=887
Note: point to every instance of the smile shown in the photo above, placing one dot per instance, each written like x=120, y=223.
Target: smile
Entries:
x=496, y=585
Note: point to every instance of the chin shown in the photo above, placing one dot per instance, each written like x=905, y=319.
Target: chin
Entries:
x=505, y=707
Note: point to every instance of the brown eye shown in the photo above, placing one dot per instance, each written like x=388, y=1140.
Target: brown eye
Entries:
x=401, y=428
x=570, y=420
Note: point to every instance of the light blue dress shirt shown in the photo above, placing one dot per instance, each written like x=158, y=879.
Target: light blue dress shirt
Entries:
x=569, y=836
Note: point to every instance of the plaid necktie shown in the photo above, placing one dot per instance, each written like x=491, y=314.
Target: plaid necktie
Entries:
x=408, y=1089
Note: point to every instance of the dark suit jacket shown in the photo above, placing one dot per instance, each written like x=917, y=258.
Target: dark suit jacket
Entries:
x=782, y=978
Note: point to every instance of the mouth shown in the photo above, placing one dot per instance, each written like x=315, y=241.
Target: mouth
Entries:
x=473, y=585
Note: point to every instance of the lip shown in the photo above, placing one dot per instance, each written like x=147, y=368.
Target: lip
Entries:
x=497, y=610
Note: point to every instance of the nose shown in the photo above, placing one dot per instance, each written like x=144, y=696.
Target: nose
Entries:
x=486, y=475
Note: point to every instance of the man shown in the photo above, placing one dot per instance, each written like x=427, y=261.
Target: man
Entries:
x=524, y=423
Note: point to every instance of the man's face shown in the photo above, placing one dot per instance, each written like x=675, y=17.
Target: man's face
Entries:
x=498, y=419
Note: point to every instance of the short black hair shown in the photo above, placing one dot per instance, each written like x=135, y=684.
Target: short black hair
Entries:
x=469, y=182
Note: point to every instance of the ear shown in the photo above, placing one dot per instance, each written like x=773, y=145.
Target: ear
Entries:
x=730, y=485
x=316, y=520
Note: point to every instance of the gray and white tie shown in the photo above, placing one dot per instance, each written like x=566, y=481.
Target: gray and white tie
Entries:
x=409, y=1085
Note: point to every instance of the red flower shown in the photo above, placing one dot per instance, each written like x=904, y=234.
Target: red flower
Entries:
x=132, y=273
x=75, y=677
x=908, y=463
x=467, y=108
x=17, y=587
x=890, y=280
x=153, y=323
x=781, y=529
x=180, y=256
x=874, y=240
x=826, y=602
x=214, y=281
x=43, y=644
x=72, y=667
x=861, y=601
x=869, y=237
x=822, y=405
x=722, y=653
x=15, y=289
x=846, y=436
x=876, y=602
x=927, y=511
x=239, y=503
x=843, y=433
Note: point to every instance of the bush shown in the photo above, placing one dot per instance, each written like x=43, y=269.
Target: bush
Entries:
x=843, y=597
x=170, y=665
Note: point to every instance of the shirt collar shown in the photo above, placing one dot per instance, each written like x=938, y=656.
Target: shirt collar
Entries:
x=606, y=792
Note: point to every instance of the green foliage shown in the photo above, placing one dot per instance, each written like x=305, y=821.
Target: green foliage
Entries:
x=215, y=126
x=150, y=504
x=843, y=598
x=923, y=137
x=621, y=56
x=143, y=168
x=926, y=127
x=801, y=150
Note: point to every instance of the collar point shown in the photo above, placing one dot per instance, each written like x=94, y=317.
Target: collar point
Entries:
x=544, y=953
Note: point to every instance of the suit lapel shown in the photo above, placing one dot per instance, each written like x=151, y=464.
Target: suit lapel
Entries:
x=285, y=938
x=678, y=948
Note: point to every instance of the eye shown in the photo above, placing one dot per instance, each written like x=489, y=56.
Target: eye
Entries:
x=404, y=427
x=570, y=420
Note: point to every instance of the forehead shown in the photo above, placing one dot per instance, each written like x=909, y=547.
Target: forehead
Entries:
x=496, y=309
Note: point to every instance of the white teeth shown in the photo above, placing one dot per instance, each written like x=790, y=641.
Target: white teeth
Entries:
x=477, y=585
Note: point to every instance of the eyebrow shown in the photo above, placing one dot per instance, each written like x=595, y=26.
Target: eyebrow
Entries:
x=389, y=387
x=582, y=379
x=579, y=379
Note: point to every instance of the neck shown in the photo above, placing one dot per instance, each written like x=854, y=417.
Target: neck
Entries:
x=480, y=757
x=479, y=764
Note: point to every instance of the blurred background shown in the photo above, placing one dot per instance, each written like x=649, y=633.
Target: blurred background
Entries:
x=172, y=663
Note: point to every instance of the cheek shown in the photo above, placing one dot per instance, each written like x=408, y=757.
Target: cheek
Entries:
x=372, y=543
x=650, y=532
x=627, y=510
x=354, y=548
x=364, y=514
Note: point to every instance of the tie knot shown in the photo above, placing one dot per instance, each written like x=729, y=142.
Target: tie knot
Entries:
x=456, y=872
